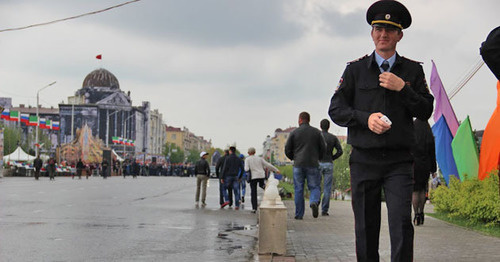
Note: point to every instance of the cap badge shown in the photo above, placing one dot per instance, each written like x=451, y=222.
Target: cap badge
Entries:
x=387, y=16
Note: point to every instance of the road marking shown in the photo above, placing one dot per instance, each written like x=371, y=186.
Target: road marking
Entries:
x=38, y=211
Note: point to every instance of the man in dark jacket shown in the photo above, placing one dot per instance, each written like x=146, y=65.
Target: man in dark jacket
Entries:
x=202, y=170
x=326, y=164
x=79, y=168
x=222, y=186
x=37, y=164
x=304, y=146
x=231, y=175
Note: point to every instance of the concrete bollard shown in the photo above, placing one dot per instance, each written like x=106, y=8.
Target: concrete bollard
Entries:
x=272, y=220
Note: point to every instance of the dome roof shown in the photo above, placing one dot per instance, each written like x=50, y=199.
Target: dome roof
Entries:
x=101, y=78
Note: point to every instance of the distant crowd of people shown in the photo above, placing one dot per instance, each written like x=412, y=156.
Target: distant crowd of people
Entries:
x=234, y=172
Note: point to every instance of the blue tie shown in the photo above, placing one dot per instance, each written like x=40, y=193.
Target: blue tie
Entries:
x=385, y=65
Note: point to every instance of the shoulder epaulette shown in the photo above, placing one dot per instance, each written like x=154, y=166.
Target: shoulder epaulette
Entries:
x=356, y=60
x=418, y=62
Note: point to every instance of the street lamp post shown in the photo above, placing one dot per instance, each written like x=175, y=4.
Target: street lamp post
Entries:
x=37, y=113
x=124, y=133
x=107, y=126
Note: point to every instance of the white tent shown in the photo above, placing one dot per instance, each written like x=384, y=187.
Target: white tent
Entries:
x=18, y=155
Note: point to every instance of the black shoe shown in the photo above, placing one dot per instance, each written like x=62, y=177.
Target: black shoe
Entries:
x=314, y=207
x=416, y=220
x=325, y=214
x=242, y=199
x=298, y=218
x=421, y=218
x=254, y=211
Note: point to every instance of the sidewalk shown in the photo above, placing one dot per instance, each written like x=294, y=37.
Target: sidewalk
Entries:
x=331, y=238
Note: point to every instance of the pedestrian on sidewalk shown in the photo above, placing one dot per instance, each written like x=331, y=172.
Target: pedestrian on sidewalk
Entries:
x=424, y=154
x=223, y=190
x=243, y=183
x=326, y=164
x=79, y=168
x=231, y=173
x=255, y=169
x=202, y=170
x=304, y=146
x=376, y=99
x=104, y=167
x=37, y=164
x=51, y=168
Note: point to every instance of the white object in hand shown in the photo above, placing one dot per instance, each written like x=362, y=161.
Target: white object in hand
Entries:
x=386, y=119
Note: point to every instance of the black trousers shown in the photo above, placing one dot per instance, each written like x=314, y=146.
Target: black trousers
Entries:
x=253, y=188
x=367, y=182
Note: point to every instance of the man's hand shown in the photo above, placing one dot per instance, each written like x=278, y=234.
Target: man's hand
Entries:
x=222, y=181
x=376, y=125
x=391, y=81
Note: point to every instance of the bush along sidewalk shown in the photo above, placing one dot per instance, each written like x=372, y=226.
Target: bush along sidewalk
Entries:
x=478, y=202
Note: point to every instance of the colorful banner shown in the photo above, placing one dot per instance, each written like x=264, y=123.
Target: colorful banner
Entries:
x=443, y=105
x=33, y=121
x=5, y=114
x=489, y=158
x=444, y=153
x=465, y=151
x=14, y=116
x=25, y=118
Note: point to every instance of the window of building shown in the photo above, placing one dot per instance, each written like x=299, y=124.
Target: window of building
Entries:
x=174, y=136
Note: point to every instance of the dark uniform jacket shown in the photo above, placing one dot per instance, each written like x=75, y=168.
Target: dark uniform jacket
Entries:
x=202, y=168
x=331, y=142
x=359, y=94
x=305, y=146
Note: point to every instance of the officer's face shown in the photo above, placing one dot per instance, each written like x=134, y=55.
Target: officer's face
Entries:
x=385, y=39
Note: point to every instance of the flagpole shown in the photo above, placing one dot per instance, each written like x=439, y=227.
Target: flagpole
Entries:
x=37, y=115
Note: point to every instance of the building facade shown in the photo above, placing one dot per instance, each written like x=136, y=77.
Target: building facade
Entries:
x=274, y=147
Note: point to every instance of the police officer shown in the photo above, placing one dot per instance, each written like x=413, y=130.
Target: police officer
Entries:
x=377, y=98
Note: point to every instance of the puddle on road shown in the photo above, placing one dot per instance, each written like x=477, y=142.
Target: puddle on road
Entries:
x=231, y=242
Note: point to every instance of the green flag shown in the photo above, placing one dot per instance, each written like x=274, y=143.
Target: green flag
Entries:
x=465, y=151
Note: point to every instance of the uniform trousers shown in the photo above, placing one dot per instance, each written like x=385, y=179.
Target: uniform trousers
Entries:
x=367, y=183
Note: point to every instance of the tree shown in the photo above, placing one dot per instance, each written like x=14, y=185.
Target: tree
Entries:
x=176, y=153
x=341, y=170
x=11, y=138
x=193, y=156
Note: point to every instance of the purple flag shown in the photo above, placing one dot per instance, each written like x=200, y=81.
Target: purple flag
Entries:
x=443, y=105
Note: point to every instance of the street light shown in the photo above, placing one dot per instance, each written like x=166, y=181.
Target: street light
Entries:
x=37, y=117
x=124, y=133
x=107, y=125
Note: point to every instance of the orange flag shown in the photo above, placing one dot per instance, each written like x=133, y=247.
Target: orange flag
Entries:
x=489, y=156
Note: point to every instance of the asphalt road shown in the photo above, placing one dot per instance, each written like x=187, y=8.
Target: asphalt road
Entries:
x=144, y=219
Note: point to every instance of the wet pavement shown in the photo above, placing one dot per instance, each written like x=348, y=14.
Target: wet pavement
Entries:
x=144, y=219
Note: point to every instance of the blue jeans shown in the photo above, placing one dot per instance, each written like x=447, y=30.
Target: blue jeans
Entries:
x=300, y=174
x=326, y=170
x=232, y=182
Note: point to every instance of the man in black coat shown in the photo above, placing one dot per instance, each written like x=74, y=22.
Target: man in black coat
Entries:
x=232, y=171
x=305, y=146
x=222, y=187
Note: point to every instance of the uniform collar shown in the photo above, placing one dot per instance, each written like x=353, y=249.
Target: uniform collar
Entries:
x=396, y=59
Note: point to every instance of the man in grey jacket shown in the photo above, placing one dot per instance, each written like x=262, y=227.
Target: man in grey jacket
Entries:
x=305, y=146
x=326, y=164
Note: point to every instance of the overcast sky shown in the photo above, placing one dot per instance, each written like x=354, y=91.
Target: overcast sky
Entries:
x=231, y=70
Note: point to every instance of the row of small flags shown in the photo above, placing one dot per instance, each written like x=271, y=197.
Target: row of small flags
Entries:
x=123, y=141
x=29, y=120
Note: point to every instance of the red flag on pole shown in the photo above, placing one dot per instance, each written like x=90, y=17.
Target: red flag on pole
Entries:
x=98, y=57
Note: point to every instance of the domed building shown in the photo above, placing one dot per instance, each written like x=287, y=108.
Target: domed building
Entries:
x=108, y=111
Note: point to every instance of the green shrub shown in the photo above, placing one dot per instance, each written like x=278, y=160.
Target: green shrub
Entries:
x=474, y=200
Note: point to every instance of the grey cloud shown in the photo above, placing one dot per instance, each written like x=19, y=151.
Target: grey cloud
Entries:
x=345, y=25
x=213, y=23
